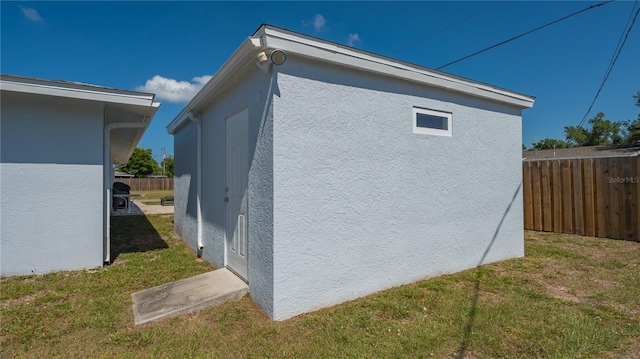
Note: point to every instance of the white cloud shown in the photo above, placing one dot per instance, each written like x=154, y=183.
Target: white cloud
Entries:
x=319, y=23
x=353, y=39
x=31, y=14
x=172, y=90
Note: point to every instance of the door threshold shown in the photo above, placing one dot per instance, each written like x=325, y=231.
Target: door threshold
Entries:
x=236, y=273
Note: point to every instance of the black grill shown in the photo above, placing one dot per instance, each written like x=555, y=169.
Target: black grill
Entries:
x=120, y=202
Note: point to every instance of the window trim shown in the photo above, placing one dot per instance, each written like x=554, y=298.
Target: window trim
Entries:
x=428, y=130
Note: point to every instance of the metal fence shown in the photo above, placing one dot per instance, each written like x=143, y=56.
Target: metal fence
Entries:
x=148, y=184
x=594, y=196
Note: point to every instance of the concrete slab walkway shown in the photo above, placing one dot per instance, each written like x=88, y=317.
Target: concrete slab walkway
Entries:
x=154, y=209
x=139, y=208
x=133, y=210
x=187, y=295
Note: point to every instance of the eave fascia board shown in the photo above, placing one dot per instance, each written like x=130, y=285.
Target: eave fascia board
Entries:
x=353, y=58
x=177, y=122
x=146, y=119
x=74, y=91
x=151, y=113
x=235, y=63
x=269, y=37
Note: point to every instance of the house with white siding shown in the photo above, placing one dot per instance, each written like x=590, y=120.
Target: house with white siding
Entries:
x=320, y=173
x=59, y=141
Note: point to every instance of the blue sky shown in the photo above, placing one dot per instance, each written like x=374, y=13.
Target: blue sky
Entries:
x=170, y=48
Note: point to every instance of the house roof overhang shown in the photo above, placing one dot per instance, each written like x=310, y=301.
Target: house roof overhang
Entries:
x=269, y=37
x=120, y=106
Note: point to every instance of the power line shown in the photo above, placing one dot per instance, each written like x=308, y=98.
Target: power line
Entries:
x=526, y=33
x=612, y=63
x=446, y=28
x=622, y=34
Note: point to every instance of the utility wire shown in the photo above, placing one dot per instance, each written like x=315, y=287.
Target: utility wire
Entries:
x=526, y=33
x=445, y=28
x=623, y=30
x=616, y=53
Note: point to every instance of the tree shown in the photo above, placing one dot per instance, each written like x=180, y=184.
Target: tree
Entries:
x=633, y=127
x=548, y=144
x=602, y=132
x=141, y=163
x=167, y=165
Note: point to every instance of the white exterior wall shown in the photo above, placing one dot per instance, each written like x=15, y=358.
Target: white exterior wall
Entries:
x=185, y=184
x=250, y=90
x=361, y=204
x=51, y=216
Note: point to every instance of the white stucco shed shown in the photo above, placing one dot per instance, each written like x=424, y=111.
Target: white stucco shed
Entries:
x=59, y=141
x=320, y=173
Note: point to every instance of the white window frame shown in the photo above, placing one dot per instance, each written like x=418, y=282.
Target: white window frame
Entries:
x=432, y=131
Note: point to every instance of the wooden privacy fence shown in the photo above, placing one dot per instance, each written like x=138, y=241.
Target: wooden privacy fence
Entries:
x=148, y=184
x=590, y=196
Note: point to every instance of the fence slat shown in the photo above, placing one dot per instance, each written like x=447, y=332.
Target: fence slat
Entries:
x=601, y=196
x=547, y=210
x=567, y=197
x=614, y=199
x=636, y=207
x=589, y=195
x=557, y=196
x=148, y=184
x=578, y=212
x=528, y=206
x=626, y=199
x=537, y=198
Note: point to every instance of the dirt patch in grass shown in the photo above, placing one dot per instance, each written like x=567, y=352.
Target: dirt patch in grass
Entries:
x=634, y=349
x=561, y=292
x=26, y=299
x=592, y=270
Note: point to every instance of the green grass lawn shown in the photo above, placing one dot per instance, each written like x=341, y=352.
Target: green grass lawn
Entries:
x=570, y=297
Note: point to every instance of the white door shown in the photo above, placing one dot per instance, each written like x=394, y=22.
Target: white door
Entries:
x=236, y=192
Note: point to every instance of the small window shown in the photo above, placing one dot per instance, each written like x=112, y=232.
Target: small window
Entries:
x=431, y=122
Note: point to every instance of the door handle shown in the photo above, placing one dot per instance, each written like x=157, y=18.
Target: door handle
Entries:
x=226, y=199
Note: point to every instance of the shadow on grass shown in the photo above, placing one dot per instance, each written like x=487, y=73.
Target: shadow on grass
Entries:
x=132, y=234
x=476, y=286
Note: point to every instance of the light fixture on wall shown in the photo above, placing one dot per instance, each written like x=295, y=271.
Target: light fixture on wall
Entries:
x=265, y=58
x=278, y=57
